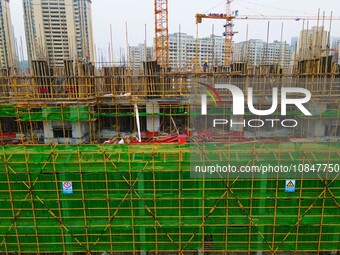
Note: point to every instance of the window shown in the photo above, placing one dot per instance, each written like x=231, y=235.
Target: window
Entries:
x=59, y=132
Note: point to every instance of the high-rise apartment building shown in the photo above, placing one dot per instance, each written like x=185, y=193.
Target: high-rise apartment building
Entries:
x=295, y=42
x=8, y=59
x=313, y=43
x=139, y=54
x=183, y=50
x=58, y=30
x=257, y=52
x=336, y=47
x=335, y=41
x=250, y=51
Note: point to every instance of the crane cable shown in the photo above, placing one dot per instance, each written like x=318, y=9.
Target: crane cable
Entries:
x=223, y=2
x=273, y=7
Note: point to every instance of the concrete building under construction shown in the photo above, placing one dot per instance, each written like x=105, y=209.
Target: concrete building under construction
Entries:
x=103, y=159
x=123, y=143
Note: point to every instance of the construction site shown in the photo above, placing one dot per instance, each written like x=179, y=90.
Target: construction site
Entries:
x=98, y=159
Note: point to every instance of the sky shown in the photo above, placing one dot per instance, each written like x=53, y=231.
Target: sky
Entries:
x=131, y=20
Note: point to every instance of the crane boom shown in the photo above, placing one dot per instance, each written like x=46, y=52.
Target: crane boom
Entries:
x=223, y=16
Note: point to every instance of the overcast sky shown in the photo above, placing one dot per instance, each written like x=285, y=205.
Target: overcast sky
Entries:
x=138, y=13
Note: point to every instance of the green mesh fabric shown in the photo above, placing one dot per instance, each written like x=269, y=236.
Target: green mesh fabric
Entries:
x=141, y=198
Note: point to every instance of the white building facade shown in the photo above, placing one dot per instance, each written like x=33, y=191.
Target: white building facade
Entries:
x=58, y=30
x=186, y=51
x=140, y=54
x=257, y=52
x=8, y=59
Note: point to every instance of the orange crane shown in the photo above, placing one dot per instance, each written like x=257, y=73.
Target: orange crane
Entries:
x=161, y=32
x=229, y=17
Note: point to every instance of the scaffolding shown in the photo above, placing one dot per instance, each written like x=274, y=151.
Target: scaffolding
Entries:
x=140, y=197
x=94, y=108
x=132, y=198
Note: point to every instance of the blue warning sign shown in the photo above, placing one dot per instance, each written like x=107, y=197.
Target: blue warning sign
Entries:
x=290, y=186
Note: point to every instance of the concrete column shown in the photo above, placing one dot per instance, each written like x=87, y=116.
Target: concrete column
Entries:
x=48, y=132
x=152, y=122
x=79, y=132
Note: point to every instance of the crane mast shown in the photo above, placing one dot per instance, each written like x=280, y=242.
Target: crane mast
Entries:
x=161, y=32
x=228, y=34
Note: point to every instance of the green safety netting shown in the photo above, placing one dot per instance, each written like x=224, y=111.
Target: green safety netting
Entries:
x=117, y=114
x=7, y=110
x=329, y=114
x=142, y=198
x=82, y=113
x=72, y=114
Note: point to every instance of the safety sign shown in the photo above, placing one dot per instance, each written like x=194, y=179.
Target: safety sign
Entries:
x=67, y=188
x=290, y=186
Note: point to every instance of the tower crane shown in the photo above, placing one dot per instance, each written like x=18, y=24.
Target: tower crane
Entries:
x=229, y=16
x=161, y=32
